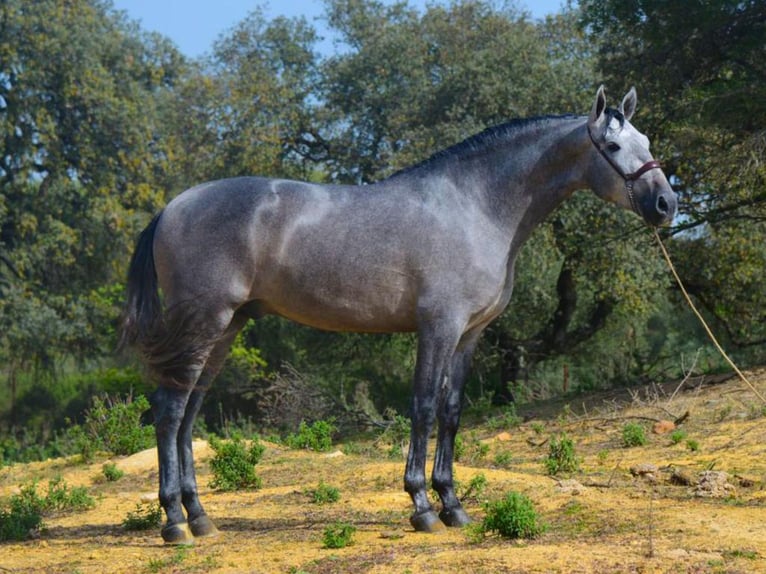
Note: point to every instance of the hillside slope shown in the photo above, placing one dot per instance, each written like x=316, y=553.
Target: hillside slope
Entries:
x=610, y=517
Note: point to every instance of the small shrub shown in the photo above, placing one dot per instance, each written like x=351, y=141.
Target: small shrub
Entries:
x=459, y=449
x=338, y=535
x=505, y=420
x=24, y=512
x=316, y=436
x=396, y=433
x=677, y=436
x=469, y=450
x=693, y=445
x=395, y=452
x=113, y=425
x=61, y=497
x=233, y=465
x=476, y=487
x=512, y=517
x=561, y=456
x=325, y=494
x=602, y=457
x=144, y=517
x=747, y=554
x=111, y=472
x=537, y=427
x=633, y=434
x=22, y=516
x=180, y=554
x=503, y=459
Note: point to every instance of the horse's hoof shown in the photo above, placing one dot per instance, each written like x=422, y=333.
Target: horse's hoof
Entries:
x=427, y=521
x=455, y=517
x=178, y=534
x=202, y=527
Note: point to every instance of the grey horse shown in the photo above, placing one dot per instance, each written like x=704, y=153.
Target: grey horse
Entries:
x=430, y=249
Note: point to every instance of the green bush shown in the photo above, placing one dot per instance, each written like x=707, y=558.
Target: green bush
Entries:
x=633, y=434
x=23, y=514
x=113, y=425
x=144, y=517
x=316, y=436
x=32, y=445
x=470, y=450
x=62, y=497
x=503, y=459
x=512, y=517
x=561, y=456
x=111, y=472
x=324, y=494
x=233, y=465
x=677, y=436
x=338, y=535
x=476, y=487
x=693, y=445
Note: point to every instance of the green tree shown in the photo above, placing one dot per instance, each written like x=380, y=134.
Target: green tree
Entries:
x=244, y=109
x=703, y=65
x=78, y=170
x=409, y=84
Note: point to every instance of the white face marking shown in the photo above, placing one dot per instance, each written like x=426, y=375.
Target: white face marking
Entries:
x=634, y=146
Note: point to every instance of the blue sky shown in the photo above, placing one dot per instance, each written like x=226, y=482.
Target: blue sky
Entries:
x=194, y=25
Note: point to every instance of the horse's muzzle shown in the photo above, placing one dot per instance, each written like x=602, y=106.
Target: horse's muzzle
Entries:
x=663, y=208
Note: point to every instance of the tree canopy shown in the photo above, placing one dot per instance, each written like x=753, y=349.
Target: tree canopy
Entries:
x=102, y=123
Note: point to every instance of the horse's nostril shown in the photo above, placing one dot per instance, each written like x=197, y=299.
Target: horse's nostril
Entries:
x=662, y=205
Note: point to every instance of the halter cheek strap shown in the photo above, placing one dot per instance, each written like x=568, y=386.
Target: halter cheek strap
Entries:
x=630, y=178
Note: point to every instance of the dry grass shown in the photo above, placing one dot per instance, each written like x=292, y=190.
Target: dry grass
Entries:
x=619, y=523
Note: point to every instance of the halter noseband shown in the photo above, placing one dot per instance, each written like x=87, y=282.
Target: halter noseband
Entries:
x=630, y=178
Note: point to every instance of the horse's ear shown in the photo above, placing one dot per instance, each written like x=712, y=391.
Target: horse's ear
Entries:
x=598, y=106
x=628, y=105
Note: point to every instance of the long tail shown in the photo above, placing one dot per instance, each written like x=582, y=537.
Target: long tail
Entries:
x=142, y=316
x=174, y=343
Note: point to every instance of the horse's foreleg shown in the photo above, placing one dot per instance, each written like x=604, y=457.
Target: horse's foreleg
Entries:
x=449, y=410
x=199, y=522
x=434, y=351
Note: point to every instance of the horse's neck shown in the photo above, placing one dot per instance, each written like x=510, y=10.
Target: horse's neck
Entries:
x=529, y=178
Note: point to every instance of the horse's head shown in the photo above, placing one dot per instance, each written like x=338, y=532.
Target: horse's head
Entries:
x=623, y=170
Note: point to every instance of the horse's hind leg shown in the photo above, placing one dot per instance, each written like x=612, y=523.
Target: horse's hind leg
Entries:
x=169, y=406
x=184, y=365
x=199, y=522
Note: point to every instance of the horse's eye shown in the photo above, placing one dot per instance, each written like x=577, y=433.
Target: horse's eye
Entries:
x=612, y=147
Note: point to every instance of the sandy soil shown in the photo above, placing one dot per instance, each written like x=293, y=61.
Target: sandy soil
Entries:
x=608, y=520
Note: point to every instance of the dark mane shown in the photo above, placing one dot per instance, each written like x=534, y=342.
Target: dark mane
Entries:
x=491, y=136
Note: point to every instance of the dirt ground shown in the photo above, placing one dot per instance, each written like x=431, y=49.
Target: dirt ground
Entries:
x=609, y=517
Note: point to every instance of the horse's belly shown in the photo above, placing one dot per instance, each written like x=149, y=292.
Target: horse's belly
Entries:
x=341, y=314
x=373, y=302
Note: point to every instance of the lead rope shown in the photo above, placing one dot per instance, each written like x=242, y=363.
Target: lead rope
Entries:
x=704, y=324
